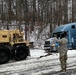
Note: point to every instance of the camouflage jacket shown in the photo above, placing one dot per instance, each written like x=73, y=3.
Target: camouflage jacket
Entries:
x=62, y=45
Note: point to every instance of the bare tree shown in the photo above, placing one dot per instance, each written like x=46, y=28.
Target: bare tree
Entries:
x=9, y=13
x=65, y=11
x=37, y=12
x=26, y=17
x=73, y=10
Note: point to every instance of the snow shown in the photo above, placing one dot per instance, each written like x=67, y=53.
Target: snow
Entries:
x=34, y=65
x=53, y=64
x=71, y=52
x=37, y=53
x=40, y=52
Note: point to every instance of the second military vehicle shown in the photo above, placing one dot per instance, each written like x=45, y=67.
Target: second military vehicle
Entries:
x=13, y=46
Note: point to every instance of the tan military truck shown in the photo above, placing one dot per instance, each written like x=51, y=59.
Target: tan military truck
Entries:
x=13, y=46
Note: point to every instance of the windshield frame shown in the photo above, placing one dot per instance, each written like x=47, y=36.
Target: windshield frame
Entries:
x=60, y=34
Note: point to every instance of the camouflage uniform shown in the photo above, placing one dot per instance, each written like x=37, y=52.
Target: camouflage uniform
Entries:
x=62, y=49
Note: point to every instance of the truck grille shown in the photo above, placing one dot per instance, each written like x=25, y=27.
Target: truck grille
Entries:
x=47, y=42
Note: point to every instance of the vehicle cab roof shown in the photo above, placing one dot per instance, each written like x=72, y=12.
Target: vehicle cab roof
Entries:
x=64, y=27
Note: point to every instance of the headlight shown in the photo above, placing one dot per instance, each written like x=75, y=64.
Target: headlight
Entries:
x=53, y=44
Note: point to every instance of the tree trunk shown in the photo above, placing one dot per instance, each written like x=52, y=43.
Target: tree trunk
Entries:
x=26, y=17
x=65, y=11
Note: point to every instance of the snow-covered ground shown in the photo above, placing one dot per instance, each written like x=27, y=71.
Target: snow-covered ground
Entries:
x=34, y=65
x=40, y=52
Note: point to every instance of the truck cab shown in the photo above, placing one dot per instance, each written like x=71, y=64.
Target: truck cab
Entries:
x=68, y=31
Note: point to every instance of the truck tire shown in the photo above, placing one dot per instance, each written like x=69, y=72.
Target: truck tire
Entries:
x=21, y=52
x=5, y=54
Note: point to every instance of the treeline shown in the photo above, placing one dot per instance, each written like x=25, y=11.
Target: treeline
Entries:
x=31, y=13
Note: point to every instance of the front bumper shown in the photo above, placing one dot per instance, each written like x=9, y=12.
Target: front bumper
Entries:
x=51, y=48
x=46, y=48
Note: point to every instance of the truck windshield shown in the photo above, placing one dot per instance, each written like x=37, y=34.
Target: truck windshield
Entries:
x=60, y=34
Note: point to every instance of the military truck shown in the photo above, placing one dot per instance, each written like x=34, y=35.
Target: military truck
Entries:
x=13, y=46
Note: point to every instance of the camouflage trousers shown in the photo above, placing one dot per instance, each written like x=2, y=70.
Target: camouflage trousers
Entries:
x=63, y=61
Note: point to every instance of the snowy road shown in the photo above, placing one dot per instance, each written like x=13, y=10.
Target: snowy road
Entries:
x=34, y=65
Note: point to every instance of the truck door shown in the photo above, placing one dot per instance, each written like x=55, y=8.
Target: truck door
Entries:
x=73, y=34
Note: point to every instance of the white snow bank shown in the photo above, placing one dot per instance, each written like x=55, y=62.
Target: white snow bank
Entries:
x=71, y=53
x=37, y=52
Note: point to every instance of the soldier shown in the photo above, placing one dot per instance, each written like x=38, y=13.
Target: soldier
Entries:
x=62, y=49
